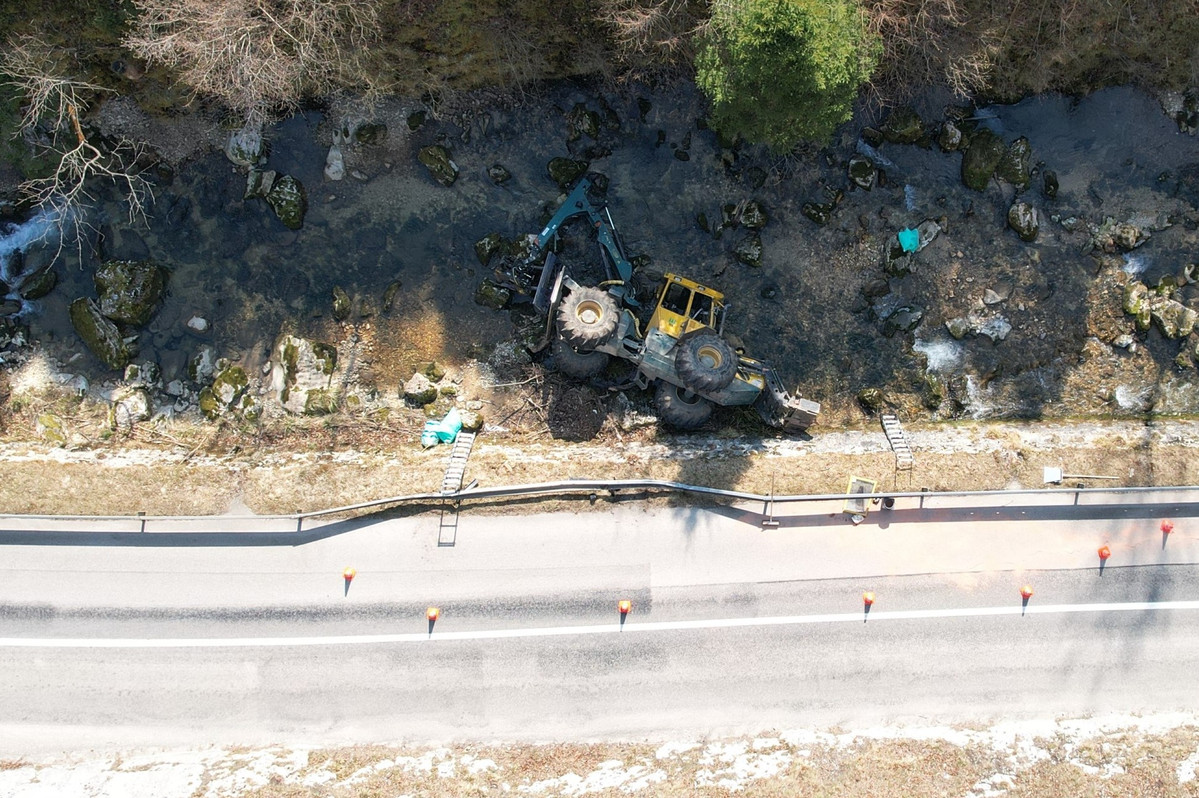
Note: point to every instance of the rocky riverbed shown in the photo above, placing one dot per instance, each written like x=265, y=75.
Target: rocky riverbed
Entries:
x=339, y=272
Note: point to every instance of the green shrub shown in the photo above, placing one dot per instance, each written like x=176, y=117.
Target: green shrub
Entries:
x=784, y=71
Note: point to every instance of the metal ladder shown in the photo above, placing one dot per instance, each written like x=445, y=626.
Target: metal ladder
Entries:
x=456, y=469
x=899, y=442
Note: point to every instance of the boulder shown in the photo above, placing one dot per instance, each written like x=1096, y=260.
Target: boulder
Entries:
x=927, y=232
x=903, y=320
x=565, y=171
x=289, y=201
x=51, y=429
x=749, y=250
x=472, y=420
x=1023, y=218
x=871, y=400
x=129, y=290
x=1113, y=236
x=129, y=406
x=1049, y=184
x=498, y=174
x=980, y=159
x=487, y=246
x=903, y=126
x=958, y=328
x=753, y=215
x=949, y=137
x=39, y=283
x=259, y=183
x=1016, y=164
x=582, y=122
x=302, y=375
x=820, y=213
x=202, y=367
x=389, y=295
x=862, y=172
x=1174, y=319
x=441, y=166
x=341, y=304
x=100, y=335
x=335, y=163
x=419, y=390
x=492, y=295
x=247, y=146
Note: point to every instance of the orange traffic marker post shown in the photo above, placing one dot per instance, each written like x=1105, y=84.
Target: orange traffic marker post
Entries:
x=1104, y=554
x=348, y=575
x=625, y=607
x=432, y=614
x=867, y=603
x=1025, y=595
x=1167, y=527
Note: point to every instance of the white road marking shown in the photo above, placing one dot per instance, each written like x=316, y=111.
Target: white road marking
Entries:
x=631, y=627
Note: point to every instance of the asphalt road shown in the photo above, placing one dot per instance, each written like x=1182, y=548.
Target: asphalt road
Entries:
x=733, y=628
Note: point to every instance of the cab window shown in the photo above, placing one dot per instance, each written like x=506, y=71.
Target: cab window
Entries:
x=675, y=298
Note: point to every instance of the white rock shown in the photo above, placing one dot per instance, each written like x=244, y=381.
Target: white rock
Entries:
x=198, y=324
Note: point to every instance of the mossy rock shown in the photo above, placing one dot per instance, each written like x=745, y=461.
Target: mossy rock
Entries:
x=753, y=215
x=1015, y=166
x=871, y=400
x=1174, y=319
x=434, y=371
x=981, y=158
x=202, y=367
x=210, y=406
x=229, y=385
x=487, y=246
x=903, y=126
x=38, y=284
x=498, y=174
x=492, y=295
x=129, y=290
x=101, y=336
x=259, y=183
x=441, y=166
x=565, y=171
x=51, y=429
x=820, y=213
x=582, y=122
x=303, y=366
x=289, y=201
x=1024, y=219
x=472, y=420
x=371, y=133
x=862, y=172
x=419, y=390
x=949, y=137
x=749, y=250
x=341, y=304
x=389, y=295
x=320, y=402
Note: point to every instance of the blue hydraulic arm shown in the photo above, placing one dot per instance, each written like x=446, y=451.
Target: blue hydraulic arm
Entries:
x=577, y=202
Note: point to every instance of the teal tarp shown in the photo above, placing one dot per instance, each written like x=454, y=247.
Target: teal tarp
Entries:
x=909, y=239
x=444, y=431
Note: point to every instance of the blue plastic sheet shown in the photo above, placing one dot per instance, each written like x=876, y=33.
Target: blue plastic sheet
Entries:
x=909, y=239
x=444, y=431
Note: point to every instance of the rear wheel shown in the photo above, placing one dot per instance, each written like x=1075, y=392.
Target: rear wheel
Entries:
x=705, y=363
x=580, y=365
x=587, y=317
x=680, y=408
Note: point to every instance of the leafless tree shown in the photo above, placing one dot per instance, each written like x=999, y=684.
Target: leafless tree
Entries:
x=50, y=122
x=256, y=55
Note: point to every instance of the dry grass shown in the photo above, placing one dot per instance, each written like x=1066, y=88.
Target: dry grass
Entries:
x=1121, y=763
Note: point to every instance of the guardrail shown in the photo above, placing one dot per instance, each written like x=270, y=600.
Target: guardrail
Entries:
x=593, y=487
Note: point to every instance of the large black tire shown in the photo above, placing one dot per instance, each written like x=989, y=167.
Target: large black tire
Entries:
x=587, y=317
x=680, y=408
x=580, y=365
x=705, y=363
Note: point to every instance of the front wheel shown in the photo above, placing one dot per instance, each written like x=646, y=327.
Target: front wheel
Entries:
x=681, y=409
x=587, y=317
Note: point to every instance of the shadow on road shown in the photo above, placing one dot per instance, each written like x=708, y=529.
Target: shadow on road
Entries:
x=958, y=515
